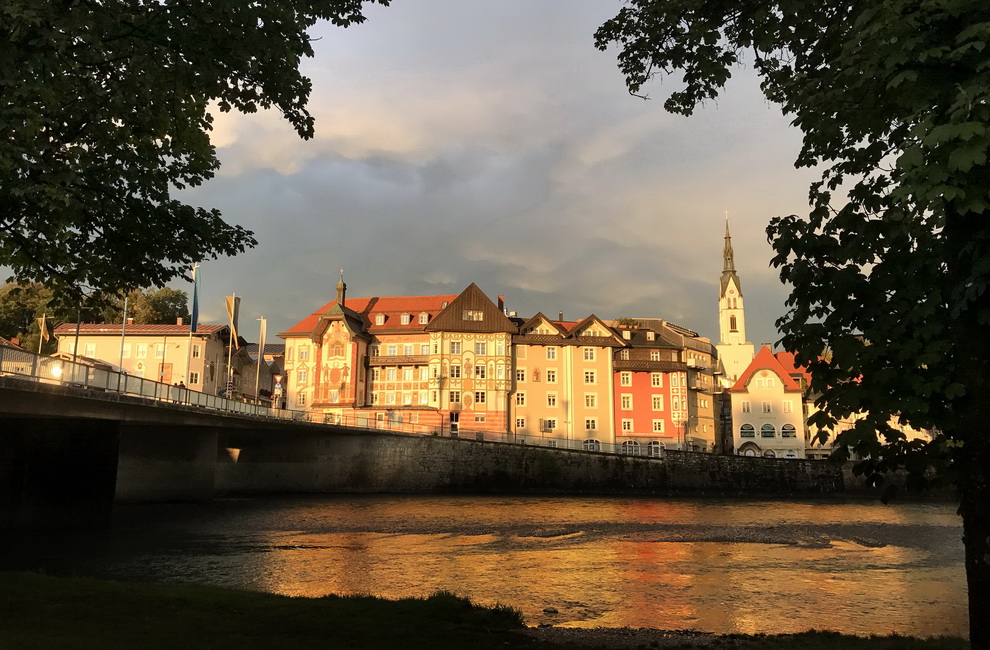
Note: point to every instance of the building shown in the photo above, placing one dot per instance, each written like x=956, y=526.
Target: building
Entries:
x=768, y=414
x=166, y=353
x=734, y=351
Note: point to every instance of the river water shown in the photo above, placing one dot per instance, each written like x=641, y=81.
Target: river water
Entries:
x=712, y=565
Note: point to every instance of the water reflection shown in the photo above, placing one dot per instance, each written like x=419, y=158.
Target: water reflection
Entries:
x=721, y=566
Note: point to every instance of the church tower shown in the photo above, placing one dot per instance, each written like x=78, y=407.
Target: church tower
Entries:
x=734, y=351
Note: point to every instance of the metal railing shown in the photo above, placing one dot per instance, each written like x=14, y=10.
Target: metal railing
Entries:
x=57, y=371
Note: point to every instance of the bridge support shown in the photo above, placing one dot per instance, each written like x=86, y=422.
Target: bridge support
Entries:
x=57, y=473
x=166, y=463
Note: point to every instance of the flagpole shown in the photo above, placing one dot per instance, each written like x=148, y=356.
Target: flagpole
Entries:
x=193, y=325
x=123, y=331
x=231, y=312
x=42, y=330
x=261, y=354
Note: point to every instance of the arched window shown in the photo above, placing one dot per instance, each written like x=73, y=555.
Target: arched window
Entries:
x=732, y=324
x=631, y=448
x=591, y=445
x=336, y=349
x=788, y=431
x=790, y=454
x=768, y=431
x=769, y=453
x=654, y=449
x=747, y=431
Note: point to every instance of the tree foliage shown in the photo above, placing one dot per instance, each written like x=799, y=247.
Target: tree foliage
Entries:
x=889, y=270
x=21, y=305
x=105, y=109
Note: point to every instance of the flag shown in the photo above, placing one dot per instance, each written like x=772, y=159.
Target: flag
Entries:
x=194, y=318
x=233, y=307
x=45, y=327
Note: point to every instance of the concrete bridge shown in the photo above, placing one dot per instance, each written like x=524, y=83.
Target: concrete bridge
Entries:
x=68, y=452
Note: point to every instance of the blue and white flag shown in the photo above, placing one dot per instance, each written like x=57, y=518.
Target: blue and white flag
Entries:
x=194, y=319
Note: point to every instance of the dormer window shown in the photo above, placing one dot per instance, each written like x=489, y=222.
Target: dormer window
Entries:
x=424, y=319
x=651, y=336
x=405, y=319
x=472, y=314
x=380, y=319
x=443, y=305
x=626, y=334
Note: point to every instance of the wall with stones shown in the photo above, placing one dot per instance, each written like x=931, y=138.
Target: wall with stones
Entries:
x=366, y=462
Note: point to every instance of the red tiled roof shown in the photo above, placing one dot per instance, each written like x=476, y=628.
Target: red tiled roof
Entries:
x=113, y=329
x=392, y=307
x=765, y=360
x=786, y=360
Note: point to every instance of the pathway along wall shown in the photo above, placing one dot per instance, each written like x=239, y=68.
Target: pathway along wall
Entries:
x=394, y=463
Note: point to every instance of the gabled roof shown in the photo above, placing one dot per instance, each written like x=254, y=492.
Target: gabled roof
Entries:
x=576, y=330
x=765, y=360
x=560, y=327
x=390, y=307
x=471, y=311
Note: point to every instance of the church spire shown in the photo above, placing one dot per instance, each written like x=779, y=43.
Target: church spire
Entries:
x=728, y=261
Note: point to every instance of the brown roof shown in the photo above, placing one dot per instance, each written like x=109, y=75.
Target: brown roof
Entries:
x=392, y=307
x=133, y=329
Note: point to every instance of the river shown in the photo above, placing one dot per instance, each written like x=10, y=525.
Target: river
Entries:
x=716, y=565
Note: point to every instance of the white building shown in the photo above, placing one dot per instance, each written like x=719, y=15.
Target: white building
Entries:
x=768, y=408
x=734, y=351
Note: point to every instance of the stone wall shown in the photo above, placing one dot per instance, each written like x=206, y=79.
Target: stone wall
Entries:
x=371, y=462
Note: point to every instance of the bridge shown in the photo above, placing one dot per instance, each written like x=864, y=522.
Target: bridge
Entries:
x=75, y=439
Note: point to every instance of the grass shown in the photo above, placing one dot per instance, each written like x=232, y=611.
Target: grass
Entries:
x=38, y=611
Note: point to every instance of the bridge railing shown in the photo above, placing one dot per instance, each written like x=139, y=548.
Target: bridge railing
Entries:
x=54, y=370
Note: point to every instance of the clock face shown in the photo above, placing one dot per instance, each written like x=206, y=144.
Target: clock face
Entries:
x=732, y=292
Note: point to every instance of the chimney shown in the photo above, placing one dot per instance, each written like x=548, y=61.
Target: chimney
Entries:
x=178, y=321
x=130, y=321
x=560, y=315
x=501, y=303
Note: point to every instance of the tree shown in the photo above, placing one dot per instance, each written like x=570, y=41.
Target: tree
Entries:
x=21, y=305
x=150, y=306
x=105, y=108
x=889, y=270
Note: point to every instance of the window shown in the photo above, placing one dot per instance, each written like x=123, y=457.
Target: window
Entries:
x=676, y=404
x=408, y=349
x=405, y=319
x=549, y=424
x=520, y=399
x=288, y=353
x=480, y=396
x=407, y=373
x=302, y=376
x=590, y=377
x=732, y=324
x=747, y=431
x=650, y=335
x=424, y=348
x=627, y=426
x=631, y=448
x=304, y=353
x=552, y=443
x=675, y=379
x=391, y=374
x=159, y=350
x=654, y=449
x=625, y=379
x=479, y=372
x=480, y=418
x=336, y=349
x=374, y=398
x=91, y=349
x=551, y=376
x=407, y=399
x=768, y=431
x=658, y=402
x=423, y=397
x=472, y=314
x=390, y=398
x=520, y=423
x=455, y=372
x=379, y=319
x=591, y=445
x=626, y=334
x=624, y=354
x=127, y=350
x=193, y=378
x=500, y=372
x=196, y=351
x=626, y=402
x=424, y=373
x=520, y=374
x=374, y=351
x=376, y=374
x=658, y=426
x=455, y=396
x=769, y=453
x=656, y=379
x=589, y=354
x=551, y=399
x=788, y=406
x=500, y=349
x=767, y=407
x=654, y=355
x=746, y=407
x=455, y=347
x=551, y=353
x=424, y=319
x=481, y=349
x=788, y=431
x=393, y=350
x=591, y=400
x=300, y=399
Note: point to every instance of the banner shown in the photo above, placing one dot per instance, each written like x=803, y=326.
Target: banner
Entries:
x=194, y=318
x=45, y=327
x=233, y=307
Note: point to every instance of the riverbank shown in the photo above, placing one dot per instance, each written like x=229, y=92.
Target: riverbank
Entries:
x=38, y=611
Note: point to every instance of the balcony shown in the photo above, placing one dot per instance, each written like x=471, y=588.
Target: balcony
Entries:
x=400, y=360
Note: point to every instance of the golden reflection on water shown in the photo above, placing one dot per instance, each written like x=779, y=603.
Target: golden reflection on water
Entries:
x=565, y=554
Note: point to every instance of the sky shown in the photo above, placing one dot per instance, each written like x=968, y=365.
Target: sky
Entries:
x=491, y=142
